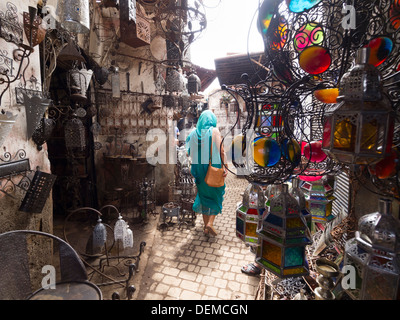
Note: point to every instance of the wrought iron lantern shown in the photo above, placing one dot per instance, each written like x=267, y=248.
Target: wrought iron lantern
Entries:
x=175, y=81
x=194, y=83
x=283, y=237
x=78, y=82
x=319, y=200
x=32, y=27
x=75, y=134
x=249, y=213
x=374, y=255
x=360, y=129
x=74, y=15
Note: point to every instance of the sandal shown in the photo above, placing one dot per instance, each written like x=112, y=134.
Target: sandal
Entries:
x=251, y=269
x=211, y=230
x=205, y=230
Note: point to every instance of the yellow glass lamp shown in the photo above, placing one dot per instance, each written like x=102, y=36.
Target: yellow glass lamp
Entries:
x=360, y=128
x=283, y=236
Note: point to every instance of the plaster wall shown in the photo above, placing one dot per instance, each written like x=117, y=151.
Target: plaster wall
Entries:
x=10, y=217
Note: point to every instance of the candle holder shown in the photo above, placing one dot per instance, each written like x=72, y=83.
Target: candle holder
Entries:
x=327, y=270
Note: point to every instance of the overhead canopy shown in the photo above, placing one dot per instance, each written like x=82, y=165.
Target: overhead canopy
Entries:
x=229, y=69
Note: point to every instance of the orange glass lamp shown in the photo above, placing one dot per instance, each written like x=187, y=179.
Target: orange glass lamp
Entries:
x=360, y=129
x=319, y=200
x=249, y=213
x=283, y=236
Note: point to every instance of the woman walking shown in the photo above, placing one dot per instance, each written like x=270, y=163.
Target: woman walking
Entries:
x=205, y=136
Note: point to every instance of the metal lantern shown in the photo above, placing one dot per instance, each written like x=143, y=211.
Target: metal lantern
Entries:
x=75, y=134
x=174, y=81
x=74, y=15
x=35, y=108
x=249, y=213
x=374, y=255
x=99, y=235
x=32, y=27
x=78, y=83
x=319, y=200
x=283, y=237
x=43, y=132
x=360, y=129
x=298, y=194
x=194, y=83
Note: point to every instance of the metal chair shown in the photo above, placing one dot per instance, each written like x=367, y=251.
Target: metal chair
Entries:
x=23, y=256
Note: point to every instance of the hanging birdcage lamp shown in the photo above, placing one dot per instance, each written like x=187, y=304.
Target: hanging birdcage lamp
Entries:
x=319, y=200
x=360, y=129
x=283, y=237
x=43, y=132
x=372, y=256
x=249, y=213
x=74, y=15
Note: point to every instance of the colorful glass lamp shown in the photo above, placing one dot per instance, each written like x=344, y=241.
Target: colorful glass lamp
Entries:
x=319, y=200
x=248, y=214
x=298, y=194
x=374, y=255
x=283, y=236
x=360, y=129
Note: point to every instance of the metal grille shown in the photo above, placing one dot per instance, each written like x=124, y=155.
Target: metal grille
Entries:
x=342, y=194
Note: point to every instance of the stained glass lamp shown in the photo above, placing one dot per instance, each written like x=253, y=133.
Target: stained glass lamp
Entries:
x=283, y=236
x=360, y=129
x=319, y=200
x=374, y=254
x=248, y=214
x=299, y=195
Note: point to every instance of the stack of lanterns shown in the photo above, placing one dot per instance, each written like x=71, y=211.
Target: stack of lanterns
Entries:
x=373, y=256
x=283, y=236
x=249, y=213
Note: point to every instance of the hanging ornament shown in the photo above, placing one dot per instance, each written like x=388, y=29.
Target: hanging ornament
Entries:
x=266, y=151
x=315, y=60
x=99, y=235
x=298, y=6
x=291, y=150
x=380, y=49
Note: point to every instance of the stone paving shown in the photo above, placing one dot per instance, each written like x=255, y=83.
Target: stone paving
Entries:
x=185, y=264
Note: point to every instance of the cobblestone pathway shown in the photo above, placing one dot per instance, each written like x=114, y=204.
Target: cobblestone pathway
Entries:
x=185, y=264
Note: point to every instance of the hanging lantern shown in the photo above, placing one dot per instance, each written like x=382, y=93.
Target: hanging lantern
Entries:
x=283, y=237
x=194, y=83
x=374, y=255
x=298, y=194
x=78, y=83
x=319, y=200
x=360, y=129
x=99, y=235
x=249, y=213
x=174, y=81
x=74, y=15
x=74, y=134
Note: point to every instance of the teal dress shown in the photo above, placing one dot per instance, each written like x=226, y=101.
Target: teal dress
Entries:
x=208, y=199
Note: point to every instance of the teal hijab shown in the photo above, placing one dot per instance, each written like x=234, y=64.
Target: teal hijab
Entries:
x=209, y=199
